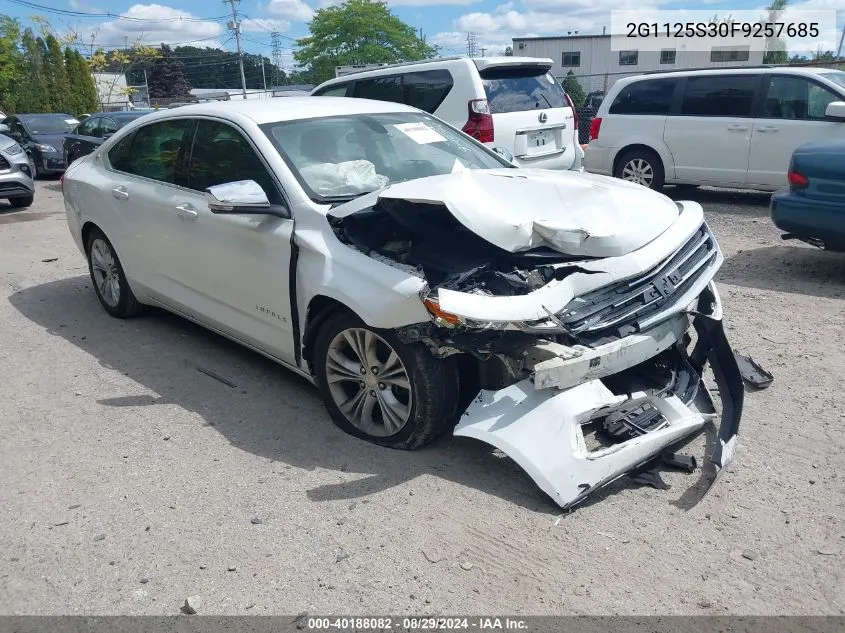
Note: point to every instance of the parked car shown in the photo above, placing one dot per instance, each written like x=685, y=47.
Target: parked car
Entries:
x=731, y=127
x=16, y=184
x=511, y=102
x=405, y=282
x=90, y=134
x=812, y=208
x=41, y=136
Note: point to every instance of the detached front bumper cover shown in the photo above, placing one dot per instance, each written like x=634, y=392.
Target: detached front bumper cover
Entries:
x=541, y=428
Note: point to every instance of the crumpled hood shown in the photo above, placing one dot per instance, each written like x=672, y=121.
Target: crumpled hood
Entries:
x=575, y=213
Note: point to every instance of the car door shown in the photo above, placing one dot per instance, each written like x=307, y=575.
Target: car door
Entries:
x=709, y=134
x=144, y=185
x=236, y=266
x=80, y=141
x=792, y=113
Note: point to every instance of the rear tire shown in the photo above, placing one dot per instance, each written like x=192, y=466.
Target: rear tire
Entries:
x=380, y=389
x=641, y=166
x=22, y=203
x=108, y=277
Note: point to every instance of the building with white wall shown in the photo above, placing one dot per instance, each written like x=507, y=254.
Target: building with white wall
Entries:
x=597, y=67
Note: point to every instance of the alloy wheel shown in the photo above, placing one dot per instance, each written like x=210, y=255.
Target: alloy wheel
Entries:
x=106, y=272
x=639, y=171
x=368, y=382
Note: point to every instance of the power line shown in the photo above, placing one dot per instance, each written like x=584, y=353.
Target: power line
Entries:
x=115, y=16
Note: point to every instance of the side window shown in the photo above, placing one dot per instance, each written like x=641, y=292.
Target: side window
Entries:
x=333, y=91
x=427, y=89
x=107, y=126
x=653, y=96
x=17, y=128
x=156, y=151
x=88, y=127
x=221, y=154
x=795, y=98
x=387, y=88
x=719, y=95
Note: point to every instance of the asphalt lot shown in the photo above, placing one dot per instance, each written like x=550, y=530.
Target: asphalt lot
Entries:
x=129, y=479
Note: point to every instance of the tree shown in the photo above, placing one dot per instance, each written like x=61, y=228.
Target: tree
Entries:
x=83, y=91
x=10, y=60
x=358, y=32
x=167, y=76
x=56, y=75
x=119, y=63
x=574, y=90
x=775, y=48
x=508, y=51
x=30, y=86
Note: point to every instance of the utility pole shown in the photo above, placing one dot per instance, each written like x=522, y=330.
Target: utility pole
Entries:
x=147, y=85
x=482, y=51
x=841, y=41
x=263, y=77
x=236, y=27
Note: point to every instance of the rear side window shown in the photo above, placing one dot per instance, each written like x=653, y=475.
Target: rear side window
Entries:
x=521, y=89
x=645, y=97
x=720, y=95
x=156, y=151
x=426, y=89
x=333, y=91
x=386, y=88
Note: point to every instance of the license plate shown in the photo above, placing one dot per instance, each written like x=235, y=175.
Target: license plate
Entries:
x=542, y=140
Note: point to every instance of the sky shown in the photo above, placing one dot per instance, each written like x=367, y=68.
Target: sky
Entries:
x=443, y=22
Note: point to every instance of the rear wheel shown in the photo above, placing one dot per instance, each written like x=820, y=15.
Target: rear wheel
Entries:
x=22, y=203
x=108, y=277
x=641, y=166
x=382, y=390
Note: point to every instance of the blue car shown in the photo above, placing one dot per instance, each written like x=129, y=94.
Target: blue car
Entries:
x=812, y=208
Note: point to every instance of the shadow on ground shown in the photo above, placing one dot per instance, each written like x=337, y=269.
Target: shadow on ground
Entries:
x=724, y=201
x=788, y=268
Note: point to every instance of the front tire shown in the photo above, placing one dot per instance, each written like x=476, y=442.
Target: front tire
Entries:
x=380, y=389
x=641, y=166
x=108, y=277
x=22, y=203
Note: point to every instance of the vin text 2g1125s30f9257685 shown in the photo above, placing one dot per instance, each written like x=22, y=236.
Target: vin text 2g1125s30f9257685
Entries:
x=420, y=280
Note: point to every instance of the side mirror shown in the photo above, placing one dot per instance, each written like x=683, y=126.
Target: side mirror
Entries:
x=835, y=110
x=242, y=196
x=4, y=129
x=504, y=153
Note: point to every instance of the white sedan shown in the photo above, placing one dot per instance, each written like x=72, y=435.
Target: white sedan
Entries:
x=418, y=278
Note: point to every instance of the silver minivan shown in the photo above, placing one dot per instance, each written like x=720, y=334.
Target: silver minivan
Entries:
x=513, y=103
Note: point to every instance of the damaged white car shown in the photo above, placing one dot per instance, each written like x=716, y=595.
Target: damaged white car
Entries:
x=419, y=279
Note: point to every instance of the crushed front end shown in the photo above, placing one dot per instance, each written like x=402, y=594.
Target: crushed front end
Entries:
x=581, y=365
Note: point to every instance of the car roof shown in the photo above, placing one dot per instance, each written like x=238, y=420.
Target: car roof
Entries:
x=275, y=109
x=743, y=70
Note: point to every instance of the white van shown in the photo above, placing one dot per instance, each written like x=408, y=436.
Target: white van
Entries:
x=513, y=103
x=724, y=127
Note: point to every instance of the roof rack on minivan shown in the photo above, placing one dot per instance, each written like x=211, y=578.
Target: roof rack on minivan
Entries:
x=403, y=64
x=688, y=70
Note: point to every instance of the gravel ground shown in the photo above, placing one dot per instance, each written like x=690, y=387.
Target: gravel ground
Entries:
x=130, y=480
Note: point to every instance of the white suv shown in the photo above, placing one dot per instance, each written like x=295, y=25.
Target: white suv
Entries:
x=725, y=127
x=512, y=103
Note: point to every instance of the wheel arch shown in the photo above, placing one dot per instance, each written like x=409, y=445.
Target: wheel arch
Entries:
x=641, y=147
x=320, y=308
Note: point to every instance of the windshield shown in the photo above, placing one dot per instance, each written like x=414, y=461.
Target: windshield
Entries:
x=343, y=157
x=58, y=124
x=836, y=76
x=521, y=89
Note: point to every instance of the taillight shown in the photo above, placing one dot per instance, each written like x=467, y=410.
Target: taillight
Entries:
x=480, y=123
x=797, y=181
x=595, y=127
x=574, y=113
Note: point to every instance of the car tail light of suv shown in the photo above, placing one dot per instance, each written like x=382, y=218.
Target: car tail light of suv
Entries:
x=480, y=123
x=595, y=127
x=797, y=180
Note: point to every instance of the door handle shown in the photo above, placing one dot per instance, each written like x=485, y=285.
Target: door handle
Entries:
x=767, y=128
x=737, y=127
x=186, y=211
x=120, y=193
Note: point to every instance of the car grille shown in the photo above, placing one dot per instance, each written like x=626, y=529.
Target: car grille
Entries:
x=614, y=311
